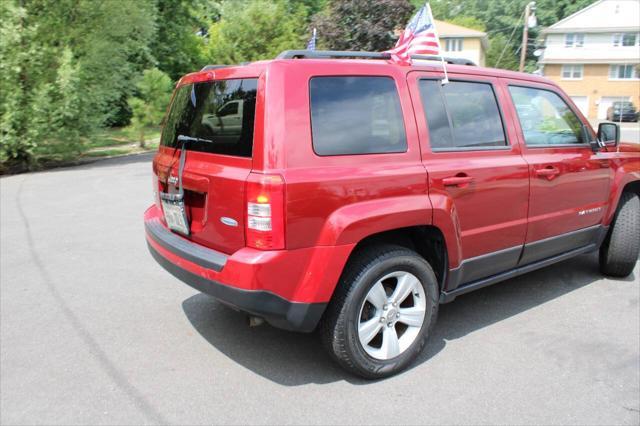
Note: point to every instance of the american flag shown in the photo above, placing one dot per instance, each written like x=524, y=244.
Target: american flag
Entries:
x=419, y=38
x=312, y=41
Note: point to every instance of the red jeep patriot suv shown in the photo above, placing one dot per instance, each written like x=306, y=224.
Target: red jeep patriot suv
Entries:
x=344, y=192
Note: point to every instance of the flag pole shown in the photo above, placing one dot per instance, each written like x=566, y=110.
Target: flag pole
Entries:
x=435, y=30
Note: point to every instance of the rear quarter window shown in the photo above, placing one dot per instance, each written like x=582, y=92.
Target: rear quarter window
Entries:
x=356, y=115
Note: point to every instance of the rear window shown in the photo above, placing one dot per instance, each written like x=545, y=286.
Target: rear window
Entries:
x=356, y=115
x=220, y=112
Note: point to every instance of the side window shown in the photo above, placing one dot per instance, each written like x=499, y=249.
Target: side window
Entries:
x=230, y=108
x=462, y=115
x=545, y=117
x=356, y=115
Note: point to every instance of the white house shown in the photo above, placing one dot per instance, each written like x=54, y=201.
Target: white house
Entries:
x=594, y=55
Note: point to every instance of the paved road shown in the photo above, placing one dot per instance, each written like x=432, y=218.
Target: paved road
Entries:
x=92, y=331
x=630, y=132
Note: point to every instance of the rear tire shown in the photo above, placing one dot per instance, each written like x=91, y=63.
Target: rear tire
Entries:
x=387, y=296
x=620, y=249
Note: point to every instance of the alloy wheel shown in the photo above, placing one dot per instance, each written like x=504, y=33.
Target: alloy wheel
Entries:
x=391, y=315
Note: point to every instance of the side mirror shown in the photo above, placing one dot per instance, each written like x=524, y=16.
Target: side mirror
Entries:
x=586, y=136
x=609, y=134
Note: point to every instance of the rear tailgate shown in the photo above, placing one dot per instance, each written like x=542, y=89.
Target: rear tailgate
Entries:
x=221, y=114
x=214, y=195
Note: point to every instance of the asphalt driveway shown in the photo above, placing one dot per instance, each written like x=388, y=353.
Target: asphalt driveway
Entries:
x=93, y=331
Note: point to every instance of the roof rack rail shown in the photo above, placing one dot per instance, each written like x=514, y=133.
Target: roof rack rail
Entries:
x=319, y=54
x=453, y=61
x=213, y=67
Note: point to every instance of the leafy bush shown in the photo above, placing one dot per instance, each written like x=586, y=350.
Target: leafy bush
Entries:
x=250, y=30
x=361, y=24
x=63, y=75
x=150, y=104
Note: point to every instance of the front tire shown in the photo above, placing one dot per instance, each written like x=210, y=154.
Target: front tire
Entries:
x=620, y=249
x=382, y=311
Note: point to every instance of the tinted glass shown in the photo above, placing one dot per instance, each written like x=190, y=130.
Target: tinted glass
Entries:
x=440, y=135
x=356, y=115
x=545, y=118
x=222, y=112
x=473, y=119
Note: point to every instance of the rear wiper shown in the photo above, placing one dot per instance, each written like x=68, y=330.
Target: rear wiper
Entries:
x=183, y=156
x=183, y=138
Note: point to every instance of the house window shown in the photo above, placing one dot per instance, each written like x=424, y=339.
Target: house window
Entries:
x=574, y=40
x=625, y=39
x=623, y=72
x=572, y=72
x=453, y=44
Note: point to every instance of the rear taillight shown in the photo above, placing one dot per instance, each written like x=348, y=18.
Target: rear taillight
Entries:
x=265, y=211
x=156, y=195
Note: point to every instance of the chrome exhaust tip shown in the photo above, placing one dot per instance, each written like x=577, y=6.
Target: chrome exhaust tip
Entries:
x=254, y=321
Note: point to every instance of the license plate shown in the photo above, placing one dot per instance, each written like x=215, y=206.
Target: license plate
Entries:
x=176, y=216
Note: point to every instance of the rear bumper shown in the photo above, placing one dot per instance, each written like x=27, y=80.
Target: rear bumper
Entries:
x=288, y=288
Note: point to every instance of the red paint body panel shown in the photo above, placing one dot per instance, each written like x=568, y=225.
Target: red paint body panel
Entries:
x=625, y=166
x=332, y=203
x=209, y=178
x=490, y=211
x=296, y=275
x=565, y=181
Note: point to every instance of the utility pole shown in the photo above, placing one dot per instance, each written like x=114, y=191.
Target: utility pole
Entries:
x=525, y=34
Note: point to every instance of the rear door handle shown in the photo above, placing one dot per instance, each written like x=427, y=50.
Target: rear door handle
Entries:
x=457, y=181
x=549, y=171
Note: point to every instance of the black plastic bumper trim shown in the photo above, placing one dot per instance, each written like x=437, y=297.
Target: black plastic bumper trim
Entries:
x=205, y=257
x=448, y=296
x=279, y=312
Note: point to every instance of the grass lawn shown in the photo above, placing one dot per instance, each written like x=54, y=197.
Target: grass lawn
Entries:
x=120, y=141
x=105, y=143
x=116, y=136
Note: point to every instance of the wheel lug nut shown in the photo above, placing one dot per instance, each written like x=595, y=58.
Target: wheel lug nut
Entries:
x=397, y=315
x=385, y=307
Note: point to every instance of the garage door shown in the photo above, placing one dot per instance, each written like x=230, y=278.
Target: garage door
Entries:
x=605, y=103
x=582, y=102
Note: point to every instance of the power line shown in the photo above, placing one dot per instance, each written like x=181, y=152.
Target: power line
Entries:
x=499, y=29
x=515, y=27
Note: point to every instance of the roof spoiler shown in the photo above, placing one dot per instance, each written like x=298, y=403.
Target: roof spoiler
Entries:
x=214, y=67
x=327, y=54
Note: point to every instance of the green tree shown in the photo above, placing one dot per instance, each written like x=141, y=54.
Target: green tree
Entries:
x=56, y=122
x=41, y=108
x=17, y=54
x=501, y=54
x=67, y=68
x=361, y=24
x=250, y=30
x=468, y=22
x=150, y=103
x=176, y=47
